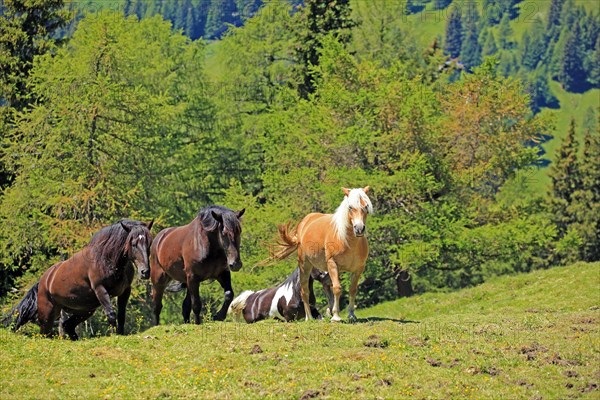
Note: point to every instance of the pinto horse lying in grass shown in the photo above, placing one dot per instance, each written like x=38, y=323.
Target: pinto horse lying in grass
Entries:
x=281, y=302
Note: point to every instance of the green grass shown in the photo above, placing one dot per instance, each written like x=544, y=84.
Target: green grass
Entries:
x=526, y=336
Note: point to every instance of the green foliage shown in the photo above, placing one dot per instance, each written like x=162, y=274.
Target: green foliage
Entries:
x=470, y=53
x=454, y=33
x=26, y=29
x=441, y=4
x=505, y=33
x=533, y=45
x=570, y=71
x=123, y=131
x=317, y=20
x=566, y=180
x=489, y=44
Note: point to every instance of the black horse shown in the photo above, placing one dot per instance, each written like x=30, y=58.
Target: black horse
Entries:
x=86, y=281
x=281, y=302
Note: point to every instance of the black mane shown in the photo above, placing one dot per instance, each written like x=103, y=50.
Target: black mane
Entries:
x=230, y=219
x=109, y=242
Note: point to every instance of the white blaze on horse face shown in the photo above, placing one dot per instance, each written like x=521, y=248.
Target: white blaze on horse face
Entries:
x=286, y=291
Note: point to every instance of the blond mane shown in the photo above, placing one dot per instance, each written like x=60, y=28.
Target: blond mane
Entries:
x=340, y=219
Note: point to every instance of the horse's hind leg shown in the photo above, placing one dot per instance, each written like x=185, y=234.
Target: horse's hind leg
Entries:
x=121, y=307
x=71, y=323
x=305, y=270
x=193, y=285
x=225, y=281
x=186, y=307
x=353, y=289
x=157, y=295
x=47, y=314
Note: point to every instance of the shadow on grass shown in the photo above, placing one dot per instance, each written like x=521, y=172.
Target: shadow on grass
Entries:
x=378, y=319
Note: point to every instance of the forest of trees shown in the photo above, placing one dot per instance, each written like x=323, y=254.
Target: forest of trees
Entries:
x=120, y=119
x=565, y=47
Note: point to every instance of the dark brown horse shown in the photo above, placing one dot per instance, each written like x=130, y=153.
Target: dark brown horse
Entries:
x=79, y=285
x=282, y=302
x=206, y=248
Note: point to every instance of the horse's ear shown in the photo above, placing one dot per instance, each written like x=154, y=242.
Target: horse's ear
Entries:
x=240, y=213
x=127, y=228
x=216, y=216
x=366, y=189
x=346, y=191
x=149, y=225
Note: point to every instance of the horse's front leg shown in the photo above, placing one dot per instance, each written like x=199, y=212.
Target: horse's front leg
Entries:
x=121, y=307
x=225, y=280
x=353, y=289
x=337, y=288
x=193, y=287
x=104, y=300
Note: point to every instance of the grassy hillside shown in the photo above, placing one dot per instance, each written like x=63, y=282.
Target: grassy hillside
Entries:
x=526, y=336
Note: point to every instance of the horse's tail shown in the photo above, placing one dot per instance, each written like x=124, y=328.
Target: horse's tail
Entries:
x=236, y=308
x=25, y=311
x=288, y=243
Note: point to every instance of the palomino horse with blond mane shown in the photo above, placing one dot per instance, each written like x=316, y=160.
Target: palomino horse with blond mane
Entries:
x=333, y=243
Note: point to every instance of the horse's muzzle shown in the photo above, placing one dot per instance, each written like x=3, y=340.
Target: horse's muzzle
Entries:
x=359, y=231
x=235, y=266
x=144, y=273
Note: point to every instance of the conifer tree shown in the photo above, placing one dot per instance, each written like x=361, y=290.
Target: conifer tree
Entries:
x=553, y=22
x=585, y=205
x=594, y=74
x=26, y=29
x=454, y=33
x=505, y=32
x=565, y=180
x=533, y=45
x=317, y=19
x=441, y=4
x=471, y=49
x=570, y=70
x=489, y=46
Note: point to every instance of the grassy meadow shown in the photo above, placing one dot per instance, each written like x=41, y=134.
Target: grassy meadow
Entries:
x=528, y=336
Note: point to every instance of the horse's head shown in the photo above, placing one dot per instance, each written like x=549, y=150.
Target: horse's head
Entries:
x=359, y=206
x=137, y=246
x=230, y=232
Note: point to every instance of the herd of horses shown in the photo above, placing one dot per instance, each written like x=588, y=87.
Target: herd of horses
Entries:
x=206, y=248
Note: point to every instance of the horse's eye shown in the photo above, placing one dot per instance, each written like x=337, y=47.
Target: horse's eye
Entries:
x=351, y=208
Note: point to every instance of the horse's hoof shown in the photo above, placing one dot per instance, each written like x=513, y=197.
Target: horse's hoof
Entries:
x=336, y=318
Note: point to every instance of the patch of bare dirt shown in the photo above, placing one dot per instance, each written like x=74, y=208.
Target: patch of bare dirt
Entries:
x=256, y=349
x=310, y=394
x=532, y=351
x=376, y=342
x=589, y=388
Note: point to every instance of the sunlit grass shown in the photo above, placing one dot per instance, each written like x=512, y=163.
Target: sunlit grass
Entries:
x=523, y=336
